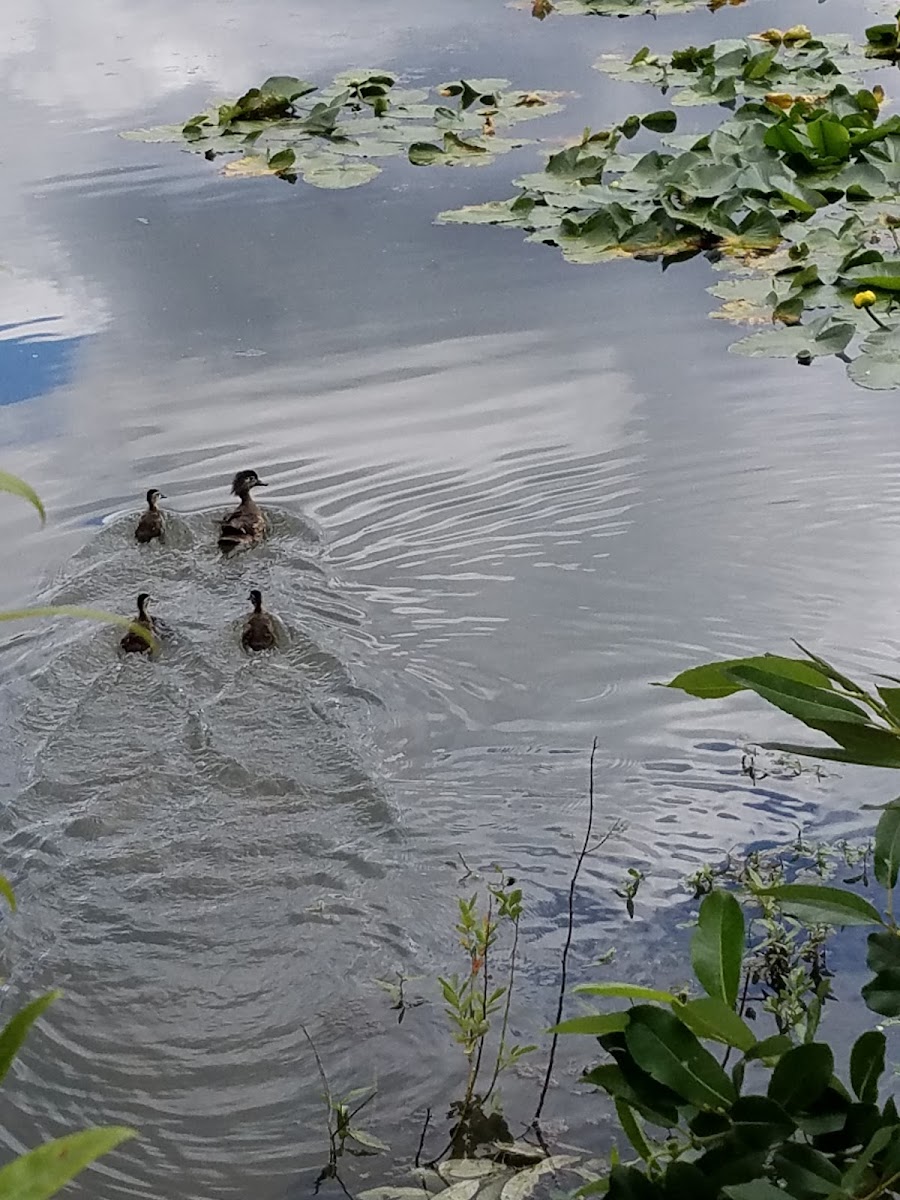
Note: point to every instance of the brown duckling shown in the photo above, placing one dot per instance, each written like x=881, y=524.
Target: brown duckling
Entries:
x=151, y=525
x=247, y=524
x=133, y=642
x=259, y=628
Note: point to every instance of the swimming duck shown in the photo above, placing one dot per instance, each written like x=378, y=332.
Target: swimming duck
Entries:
x=259, y=628
x=151, y=524
x=132, y=642
x=247, y=524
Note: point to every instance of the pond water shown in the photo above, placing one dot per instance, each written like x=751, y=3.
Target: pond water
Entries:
x=509, y=493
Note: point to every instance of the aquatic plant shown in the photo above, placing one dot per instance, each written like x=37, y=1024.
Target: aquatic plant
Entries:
x=794, y=194
x=290, y=129
x=541, y=9
x=42, y=1172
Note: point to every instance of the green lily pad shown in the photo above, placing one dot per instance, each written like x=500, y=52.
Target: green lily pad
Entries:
x=361, y=115
x=821, y=337
x=878, y=364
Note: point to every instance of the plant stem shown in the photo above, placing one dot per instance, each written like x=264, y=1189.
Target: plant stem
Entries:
x=564, y=964
x=877, y=320
x=505, y=1023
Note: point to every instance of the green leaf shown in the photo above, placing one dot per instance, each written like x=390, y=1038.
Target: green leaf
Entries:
x=672, y=1055
x=628, y=991
x=18, y=487
x=338, y=174
x=878, y=365
x=660, y=122
x=286, y=87
x=882, y=994
x=594, y=1024
x=806, y=1171
x=715, y=680
x=7, y=892
x=42, y=1172
x=757, y=1189
x=867, y=1065
x=801, y=1077
x=829, y=137
x=282, y=160
x=632, y=1129
x=759, y=1122
x=16, y=1029
x=811, y=705
x=821, y=905
x=887, y=846
x=891, y=698
x=627, y=1183
x=883, y=951
x=884, y=275
x=638, y=1089
x=770, y=1048
x=711, y=1017
x=717, y=946
x=369, y=1140
x=862, y=744
x=822, y=337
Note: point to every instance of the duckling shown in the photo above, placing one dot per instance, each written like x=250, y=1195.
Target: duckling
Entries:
x=132, y=642
x=247, y=524
x=151, y=525
x=259, y=628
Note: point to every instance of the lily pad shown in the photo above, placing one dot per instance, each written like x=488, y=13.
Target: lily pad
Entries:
x=362, y=114
x=878, y=364
x=821, y=337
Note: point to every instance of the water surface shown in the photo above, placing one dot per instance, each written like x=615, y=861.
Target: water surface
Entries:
x=508, y=493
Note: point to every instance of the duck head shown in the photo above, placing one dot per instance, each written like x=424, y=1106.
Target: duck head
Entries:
x=142, y=601
x=255, y=599
x=153, y=496
x=244, y=481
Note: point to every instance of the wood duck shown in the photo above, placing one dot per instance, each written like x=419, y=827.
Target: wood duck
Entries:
x=259, y=628
x=151, y=525
x=133, y=642
x=247, y=524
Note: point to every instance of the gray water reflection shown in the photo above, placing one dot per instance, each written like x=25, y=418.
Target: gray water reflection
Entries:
x=508, y=493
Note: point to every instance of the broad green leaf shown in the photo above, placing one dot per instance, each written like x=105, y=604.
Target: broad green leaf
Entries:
x=862, y=744
x=829, y=138
x=42, y=1172
x=593, y=1024
x=628, y=1183
x=286, y=86
x=18, y=487
x=887, y=846
x=817, y=339
x=339, y=174
x=878, y=365
x=717, y=947
x=627, y=991
x=369, y=1140
x=771, y=1048
x=891, y=698
x=757, y=1189
x=714, y=680
x=867, y=1065
x=801, y=1077
x=639, y=1090
x=660, y=122
x=759, y=1122
x=882, y=994
x=711, y=1017
x=16, y=1029
x=884, y=275
x=811, y=705
x=7, y=892
x=806, y=1171
x=672, y=1055
x=883, y=951
x=632, y=1129
x=822, y=905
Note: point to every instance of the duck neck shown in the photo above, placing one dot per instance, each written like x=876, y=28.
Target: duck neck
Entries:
x=142, y=611
x=257, y=605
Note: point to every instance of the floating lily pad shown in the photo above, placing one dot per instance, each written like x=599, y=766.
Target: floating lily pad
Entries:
x=798, y=201
x=290, y=129
x=878, y=364
x=541, y=9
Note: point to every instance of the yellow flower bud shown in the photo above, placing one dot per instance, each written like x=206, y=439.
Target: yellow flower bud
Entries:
x=797, y=33
x=773, y=36
x=864, y=299
x=878, y=93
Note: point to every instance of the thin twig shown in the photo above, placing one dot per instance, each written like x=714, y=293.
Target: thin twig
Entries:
x=564, y=965
x=322, y=1076
x=422, y=1136
x=505, y=1024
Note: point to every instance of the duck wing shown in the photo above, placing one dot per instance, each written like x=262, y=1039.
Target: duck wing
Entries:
x=150, y=526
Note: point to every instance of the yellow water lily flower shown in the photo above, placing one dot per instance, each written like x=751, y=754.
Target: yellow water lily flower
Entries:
x=864, y=299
